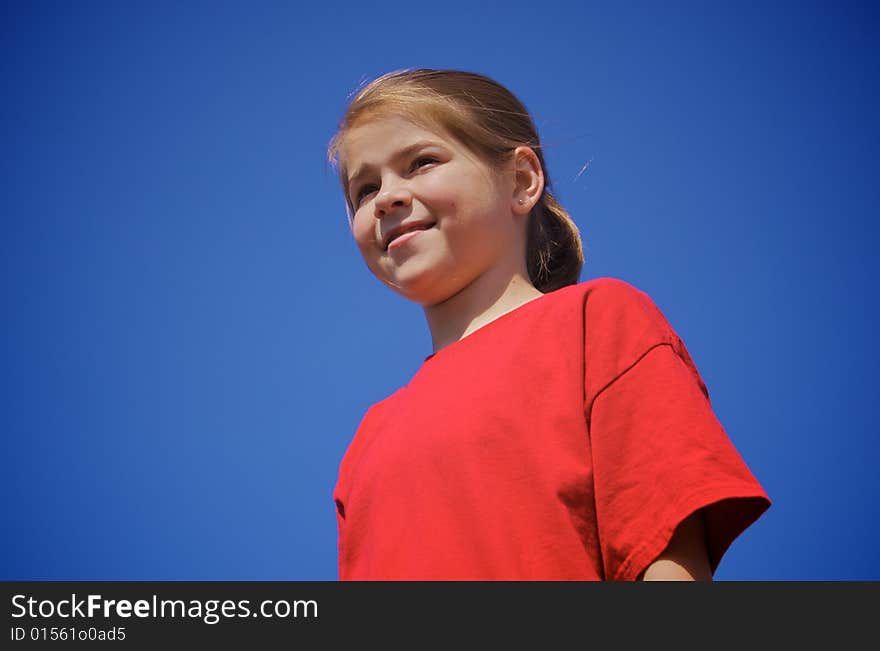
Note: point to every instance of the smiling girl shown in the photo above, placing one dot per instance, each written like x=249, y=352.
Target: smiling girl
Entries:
x=559, y=430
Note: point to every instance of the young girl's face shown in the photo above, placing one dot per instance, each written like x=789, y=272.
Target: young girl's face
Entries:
x=429, y=216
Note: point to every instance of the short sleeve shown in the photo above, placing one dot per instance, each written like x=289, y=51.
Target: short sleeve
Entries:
x=659, y=454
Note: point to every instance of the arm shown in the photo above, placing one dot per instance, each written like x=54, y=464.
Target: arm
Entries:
x=685, y=558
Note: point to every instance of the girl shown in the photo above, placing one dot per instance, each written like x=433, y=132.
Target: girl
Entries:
x=559, y=430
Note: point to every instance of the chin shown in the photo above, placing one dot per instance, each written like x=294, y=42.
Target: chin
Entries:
x=425, y=289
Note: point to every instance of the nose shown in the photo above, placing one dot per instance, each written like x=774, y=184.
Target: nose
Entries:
x=394, y=195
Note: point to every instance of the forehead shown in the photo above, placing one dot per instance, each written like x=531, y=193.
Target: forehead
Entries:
x=378, y=138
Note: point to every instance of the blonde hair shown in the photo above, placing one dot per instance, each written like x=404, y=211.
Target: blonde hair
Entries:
x=491, y=122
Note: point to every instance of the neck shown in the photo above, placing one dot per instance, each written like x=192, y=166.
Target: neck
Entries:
x=484, y=300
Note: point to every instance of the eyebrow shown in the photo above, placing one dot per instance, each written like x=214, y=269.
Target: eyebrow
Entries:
x=403, y=153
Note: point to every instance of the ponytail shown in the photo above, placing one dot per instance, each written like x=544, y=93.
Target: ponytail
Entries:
x=554, y=253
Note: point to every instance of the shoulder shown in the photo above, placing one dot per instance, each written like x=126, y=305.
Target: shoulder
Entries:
x=601, y=295
x=365, y=434
x=616, y=312
x=621, y=325
x=618, y=321
x=619, y=298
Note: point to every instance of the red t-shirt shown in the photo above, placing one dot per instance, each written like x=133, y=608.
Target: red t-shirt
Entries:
x=564, y=440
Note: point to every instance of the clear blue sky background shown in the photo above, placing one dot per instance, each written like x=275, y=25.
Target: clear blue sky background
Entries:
x=190, y=337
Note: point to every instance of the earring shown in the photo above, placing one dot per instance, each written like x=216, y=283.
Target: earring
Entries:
x=520, y=200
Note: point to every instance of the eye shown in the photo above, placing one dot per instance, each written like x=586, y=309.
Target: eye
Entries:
x=369, y=188
x=421, y=161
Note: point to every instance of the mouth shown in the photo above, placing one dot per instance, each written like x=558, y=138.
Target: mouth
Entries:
x=398, y=236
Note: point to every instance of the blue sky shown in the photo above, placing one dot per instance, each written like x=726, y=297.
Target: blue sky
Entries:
x=190, y=336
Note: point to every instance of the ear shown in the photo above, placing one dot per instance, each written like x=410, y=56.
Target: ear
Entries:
x=528, y=180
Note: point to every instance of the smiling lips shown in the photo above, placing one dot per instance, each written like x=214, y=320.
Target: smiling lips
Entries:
x=404, y=232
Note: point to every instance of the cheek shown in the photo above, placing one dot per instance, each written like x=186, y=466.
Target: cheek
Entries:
x=362, y=231
x=440, y=190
